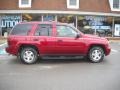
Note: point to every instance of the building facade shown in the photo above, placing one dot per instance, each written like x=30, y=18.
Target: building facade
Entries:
x=89, y=16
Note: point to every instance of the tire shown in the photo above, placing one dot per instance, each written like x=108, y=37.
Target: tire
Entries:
x=28, y=55
x=96, y=54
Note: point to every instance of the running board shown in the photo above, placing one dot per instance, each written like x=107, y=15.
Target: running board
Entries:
x=63, y=57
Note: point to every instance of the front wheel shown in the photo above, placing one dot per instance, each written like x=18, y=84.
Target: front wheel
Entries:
x=28, y=55
x=96, y=54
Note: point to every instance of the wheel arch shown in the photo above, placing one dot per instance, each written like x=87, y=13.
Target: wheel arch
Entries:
x=97, y=45
x=28, y=45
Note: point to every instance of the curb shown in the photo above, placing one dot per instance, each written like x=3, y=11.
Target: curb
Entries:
x=113, y=38
x=114, y=41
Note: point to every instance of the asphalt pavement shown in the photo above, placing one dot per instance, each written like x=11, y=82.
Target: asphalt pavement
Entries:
x=61, y=74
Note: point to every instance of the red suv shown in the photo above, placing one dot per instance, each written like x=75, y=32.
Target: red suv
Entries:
x=30, y=40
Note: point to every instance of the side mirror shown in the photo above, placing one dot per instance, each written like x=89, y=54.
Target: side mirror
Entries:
x=78, y=35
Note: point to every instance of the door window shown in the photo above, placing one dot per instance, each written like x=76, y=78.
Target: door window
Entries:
x=65, y=31
x=44, y=30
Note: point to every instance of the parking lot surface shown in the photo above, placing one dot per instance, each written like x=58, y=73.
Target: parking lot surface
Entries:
x=77, y=74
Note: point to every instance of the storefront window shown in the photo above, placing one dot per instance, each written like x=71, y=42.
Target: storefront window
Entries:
x=99, y=25
x=117, y=26
x=48, y=17
x=70, y=19
x=8, y=22
x=31, y=17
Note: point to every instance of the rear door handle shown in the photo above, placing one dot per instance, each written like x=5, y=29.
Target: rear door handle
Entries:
x=59, y=40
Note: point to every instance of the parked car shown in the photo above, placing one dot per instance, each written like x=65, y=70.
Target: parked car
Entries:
x=30, y=40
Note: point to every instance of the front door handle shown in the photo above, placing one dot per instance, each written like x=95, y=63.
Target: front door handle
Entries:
x=35, y=39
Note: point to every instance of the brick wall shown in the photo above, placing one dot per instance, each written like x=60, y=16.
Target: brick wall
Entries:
x=95, y=5
x=85, y=5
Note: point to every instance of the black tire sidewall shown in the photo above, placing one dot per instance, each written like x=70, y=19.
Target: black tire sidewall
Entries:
x=96, y=48
x=30, y=49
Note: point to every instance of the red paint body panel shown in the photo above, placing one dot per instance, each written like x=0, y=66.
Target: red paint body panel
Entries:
x=53, y=45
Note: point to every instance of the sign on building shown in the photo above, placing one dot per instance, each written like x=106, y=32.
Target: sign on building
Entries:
x=9, y=21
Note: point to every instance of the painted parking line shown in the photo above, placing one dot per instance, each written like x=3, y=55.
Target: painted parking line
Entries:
x=2, y=49
x=2, y=44
x=2, y=52
x=113, y=51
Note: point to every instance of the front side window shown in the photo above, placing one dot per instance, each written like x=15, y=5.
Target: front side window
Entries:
x=73, y=4
x=44, y=30
x=65, y=31
x=21, y=29
x=24, y=3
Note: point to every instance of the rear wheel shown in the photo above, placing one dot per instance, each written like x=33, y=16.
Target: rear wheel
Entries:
x=96, y=54
x=28, y=55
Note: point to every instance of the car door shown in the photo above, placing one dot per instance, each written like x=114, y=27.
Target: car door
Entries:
x=66, y=41
x=44, y=37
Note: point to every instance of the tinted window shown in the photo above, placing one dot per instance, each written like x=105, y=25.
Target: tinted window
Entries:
x=44, y=30
x=65, y=31
x=21, y=29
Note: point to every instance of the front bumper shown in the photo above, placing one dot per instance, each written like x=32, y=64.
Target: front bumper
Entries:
x=108, y=50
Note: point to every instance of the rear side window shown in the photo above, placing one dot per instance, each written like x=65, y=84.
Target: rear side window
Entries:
x=21, y=29
x=44, y=30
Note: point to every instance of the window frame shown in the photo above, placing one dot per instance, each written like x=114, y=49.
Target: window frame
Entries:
x=25, y=5
x=73, y=6
x=111, y=6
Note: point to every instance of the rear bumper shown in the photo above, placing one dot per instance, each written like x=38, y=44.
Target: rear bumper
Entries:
x=10, y=50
